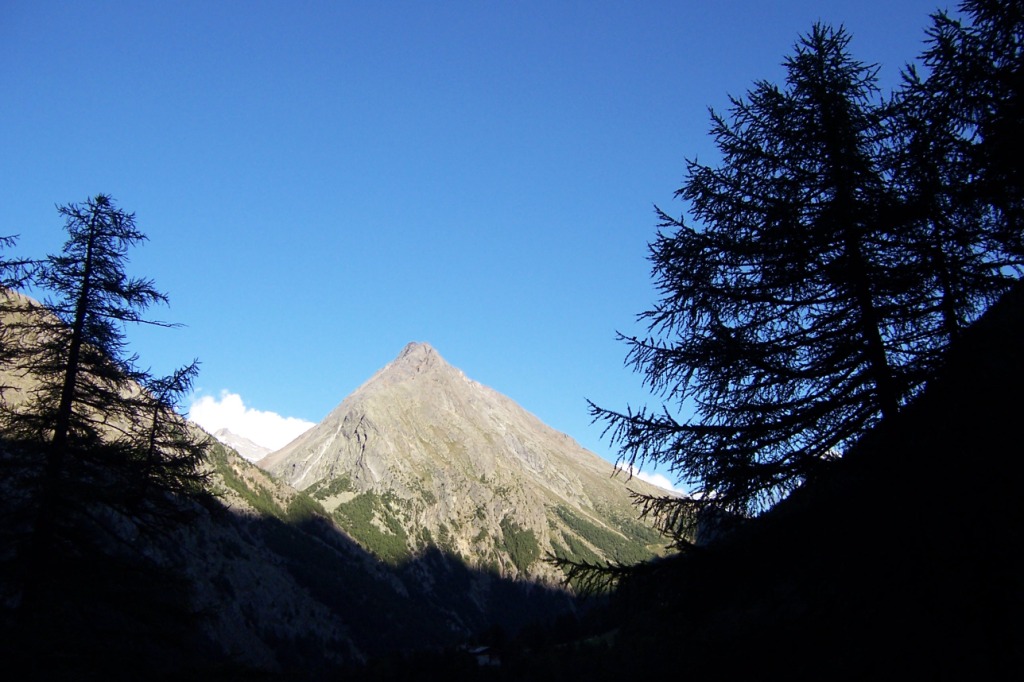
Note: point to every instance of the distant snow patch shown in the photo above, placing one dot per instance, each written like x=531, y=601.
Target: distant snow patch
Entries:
x=230, y=412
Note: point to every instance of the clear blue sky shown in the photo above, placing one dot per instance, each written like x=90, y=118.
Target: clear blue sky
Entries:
x=322, y=182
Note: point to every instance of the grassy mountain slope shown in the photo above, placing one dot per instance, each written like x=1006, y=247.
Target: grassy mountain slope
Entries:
x=421, y=456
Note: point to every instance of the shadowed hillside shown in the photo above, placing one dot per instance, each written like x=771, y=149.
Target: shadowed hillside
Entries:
x=256, y=579
x=259, y=582
x=903, y=563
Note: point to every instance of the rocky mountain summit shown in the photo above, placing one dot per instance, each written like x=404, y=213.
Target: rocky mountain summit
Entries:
x=242, y=445
x=421, y=456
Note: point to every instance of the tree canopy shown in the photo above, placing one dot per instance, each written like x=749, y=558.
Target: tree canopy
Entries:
x=827, y=262
x=95, y=440
x=13, y=274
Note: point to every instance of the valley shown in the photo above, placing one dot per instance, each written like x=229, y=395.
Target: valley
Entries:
x=421, y=514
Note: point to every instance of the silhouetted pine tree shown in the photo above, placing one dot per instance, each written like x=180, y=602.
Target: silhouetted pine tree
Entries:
x=7, y=277
x=780, y=302
x=96, y=444
x=974, y=85
x=169, y=451
x=830, y=258
x=13, y=274
x=960, y=191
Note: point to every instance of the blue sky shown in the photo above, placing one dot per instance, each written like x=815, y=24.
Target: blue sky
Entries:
x=323, y=182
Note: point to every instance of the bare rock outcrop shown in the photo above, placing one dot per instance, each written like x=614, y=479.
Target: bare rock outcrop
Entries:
x=423, y=456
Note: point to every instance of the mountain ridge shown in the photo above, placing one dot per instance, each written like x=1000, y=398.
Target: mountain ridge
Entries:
x=426, y=456
x=247, y=448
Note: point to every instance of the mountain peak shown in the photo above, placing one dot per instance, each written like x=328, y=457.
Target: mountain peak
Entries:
x=418, y=356
x=248, y=449
x=420, y=451
x=417, y=349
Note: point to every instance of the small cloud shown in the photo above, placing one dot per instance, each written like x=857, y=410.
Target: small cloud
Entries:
x=659, y=480
x=268, y=429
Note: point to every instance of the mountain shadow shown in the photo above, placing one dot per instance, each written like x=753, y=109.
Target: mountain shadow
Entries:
x=431, y=601
x=102, y=606
x=240, y=592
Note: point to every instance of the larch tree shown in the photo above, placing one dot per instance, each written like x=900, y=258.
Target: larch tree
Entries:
x=104, y=445
x=975, y=86
x=169, y=453
x=961, y=192
x=14, y=273
x=7, y=281
x=826, y=264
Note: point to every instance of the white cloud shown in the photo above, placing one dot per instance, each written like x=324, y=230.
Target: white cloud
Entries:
x=268, y=429
x=659, y=480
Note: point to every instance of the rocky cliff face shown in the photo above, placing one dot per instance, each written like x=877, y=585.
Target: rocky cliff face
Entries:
x=422, y=456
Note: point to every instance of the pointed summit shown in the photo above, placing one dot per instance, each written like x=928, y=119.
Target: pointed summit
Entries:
x=417, y=349
x=246, y=448
x=418, y=355
x=422, y=456
x=416, y=359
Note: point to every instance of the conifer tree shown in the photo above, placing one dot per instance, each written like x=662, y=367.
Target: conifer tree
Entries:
x=960, y=192
x=7, y=277
x=778, y=301
x=829, y=260
x=103, y=448
x=13, y=274
x=974, y=85
x=169, y=452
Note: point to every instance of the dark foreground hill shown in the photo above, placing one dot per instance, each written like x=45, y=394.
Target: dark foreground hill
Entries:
x=259, y=584
x=905, y=562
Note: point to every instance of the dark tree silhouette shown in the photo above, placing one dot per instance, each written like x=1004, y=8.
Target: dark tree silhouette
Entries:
x=952, y=163
x=102, y=449
x=7, y=281
x=779, y=303
x=974, y=87
x=829, y=260
x=170, y=453
x=14, y=273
